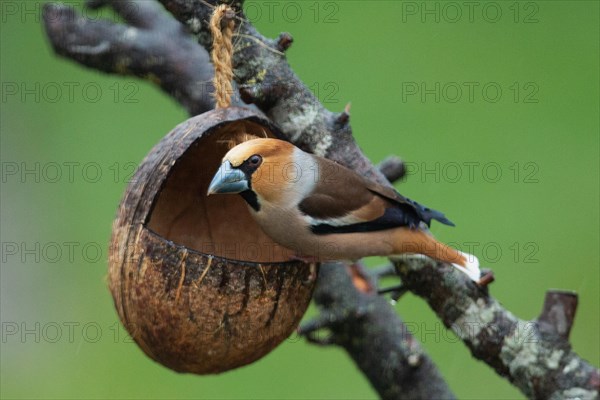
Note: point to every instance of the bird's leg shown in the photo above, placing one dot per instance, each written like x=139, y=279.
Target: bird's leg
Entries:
x=388, y=271
x=396, y=291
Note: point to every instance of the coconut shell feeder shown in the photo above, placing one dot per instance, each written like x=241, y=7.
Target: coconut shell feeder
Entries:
x=195, y=281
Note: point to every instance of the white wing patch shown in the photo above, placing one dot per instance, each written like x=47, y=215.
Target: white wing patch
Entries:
x=347, y=219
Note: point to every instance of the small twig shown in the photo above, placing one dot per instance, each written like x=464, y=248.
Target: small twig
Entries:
x=343, y=118
x=284, y=41
x=324, y=320
x=558, y=313
x=328, y=340
x=392, y=168
x=486, y=279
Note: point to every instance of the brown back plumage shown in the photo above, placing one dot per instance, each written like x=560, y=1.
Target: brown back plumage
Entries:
x=341, y=192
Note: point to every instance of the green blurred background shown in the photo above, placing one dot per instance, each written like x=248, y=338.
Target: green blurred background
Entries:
x=536, y=224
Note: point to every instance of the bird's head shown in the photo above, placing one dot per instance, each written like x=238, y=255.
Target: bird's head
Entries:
x=255, y=167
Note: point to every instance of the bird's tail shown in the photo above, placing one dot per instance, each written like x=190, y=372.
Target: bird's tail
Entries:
x=427, y=214
x=415, y=241
x=469, y=266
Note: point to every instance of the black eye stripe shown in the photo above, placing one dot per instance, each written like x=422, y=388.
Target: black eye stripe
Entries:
x=251, y=164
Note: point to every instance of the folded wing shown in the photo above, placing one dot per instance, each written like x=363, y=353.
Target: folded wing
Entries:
x=344, y=202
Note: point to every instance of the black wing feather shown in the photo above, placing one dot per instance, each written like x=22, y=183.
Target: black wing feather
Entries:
x=423, y=213
x=392, y=218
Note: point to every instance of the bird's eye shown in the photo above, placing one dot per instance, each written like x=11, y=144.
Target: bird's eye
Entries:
x=255, y=160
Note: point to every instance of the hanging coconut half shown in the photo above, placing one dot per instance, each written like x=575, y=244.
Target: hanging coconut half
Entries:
x=195, y=281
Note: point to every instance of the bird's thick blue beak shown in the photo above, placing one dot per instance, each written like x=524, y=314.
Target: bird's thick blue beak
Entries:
x=228, y=180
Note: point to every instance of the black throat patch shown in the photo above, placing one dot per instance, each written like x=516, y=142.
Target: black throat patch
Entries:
x=251, y=199
x=249, y=194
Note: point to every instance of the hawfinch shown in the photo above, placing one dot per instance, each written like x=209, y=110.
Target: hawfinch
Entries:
x=324, y=211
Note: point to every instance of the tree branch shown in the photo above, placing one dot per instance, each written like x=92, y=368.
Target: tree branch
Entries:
x=153, y=46
x=392, y=168
x=558, y=313
x=534, y=355
x=358, y=319
x=364, y=324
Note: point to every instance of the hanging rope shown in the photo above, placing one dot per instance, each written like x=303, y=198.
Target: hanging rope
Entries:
x=222, y=53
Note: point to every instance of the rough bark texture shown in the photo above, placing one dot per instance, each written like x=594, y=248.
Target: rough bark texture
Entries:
x=534, y=355
x=364, y=324
x=360, y=320
x=152, y=46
